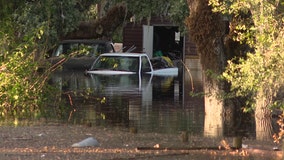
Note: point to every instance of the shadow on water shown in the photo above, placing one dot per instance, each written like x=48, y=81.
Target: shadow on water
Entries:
x=147, y=103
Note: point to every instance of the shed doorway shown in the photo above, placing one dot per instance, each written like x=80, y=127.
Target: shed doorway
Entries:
x=166, y=41
x=163, y=41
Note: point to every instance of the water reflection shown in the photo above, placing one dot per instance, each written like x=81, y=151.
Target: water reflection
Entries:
x=148, y=103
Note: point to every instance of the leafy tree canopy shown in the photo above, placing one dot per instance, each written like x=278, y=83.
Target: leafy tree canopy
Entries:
x=177, y=10
x=61, y=17
x=27, y=30
x=260, y=74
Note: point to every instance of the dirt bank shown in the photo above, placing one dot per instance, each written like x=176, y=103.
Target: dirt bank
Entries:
x=53, y=141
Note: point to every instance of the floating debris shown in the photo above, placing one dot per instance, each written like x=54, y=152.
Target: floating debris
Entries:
x=88, y=142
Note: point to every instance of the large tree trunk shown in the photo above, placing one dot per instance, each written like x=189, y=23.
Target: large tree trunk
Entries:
x=213, y=122
x=263, y=121
x=207, y=30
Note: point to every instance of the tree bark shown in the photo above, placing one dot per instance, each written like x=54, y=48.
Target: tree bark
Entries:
x=207, y=30
x=213, y=122
x=263, y=119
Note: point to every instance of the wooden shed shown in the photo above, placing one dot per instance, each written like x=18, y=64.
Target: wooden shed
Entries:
x=158, y=34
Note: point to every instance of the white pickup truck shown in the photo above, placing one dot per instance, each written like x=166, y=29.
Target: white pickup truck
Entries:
x=128, y=63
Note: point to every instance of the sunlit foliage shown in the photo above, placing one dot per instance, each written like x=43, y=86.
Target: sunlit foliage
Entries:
x=258, y=76
x=22, y=88
x=28, y=29
x=262, y=69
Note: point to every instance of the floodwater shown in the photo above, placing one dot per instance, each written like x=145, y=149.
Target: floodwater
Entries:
x=159, y=104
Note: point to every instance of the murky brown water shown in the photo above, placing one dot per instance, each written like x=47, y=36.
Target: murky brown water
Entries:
x=146, y=103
